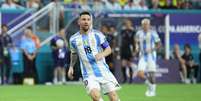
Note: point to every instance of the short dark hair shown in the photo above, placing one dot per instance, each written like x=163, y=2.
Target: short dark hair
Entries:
x=29, y=27
x=187, y=46
x=85, y=13
x=4, y=25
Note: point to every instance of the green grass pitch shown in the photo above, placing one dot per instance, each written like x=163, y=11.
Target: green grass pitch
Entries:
x=165, y=92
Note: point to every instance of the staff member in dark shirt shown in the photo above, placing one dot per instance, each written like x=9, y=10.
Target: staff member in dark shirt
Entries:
x=192, y=67
x=127, y=48
x=5, y=44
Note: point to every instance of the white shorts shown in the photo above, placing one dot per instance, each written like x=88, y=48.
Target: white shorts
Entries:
x=105, y=85
x=147, y=63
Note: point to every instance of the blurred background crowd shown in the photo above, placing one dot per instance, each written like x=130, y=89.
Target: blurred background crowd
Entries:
x=105, y=4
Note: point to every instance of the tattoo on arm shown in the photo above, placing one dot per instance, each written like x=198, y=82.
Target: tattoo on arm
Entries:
x=73, y=59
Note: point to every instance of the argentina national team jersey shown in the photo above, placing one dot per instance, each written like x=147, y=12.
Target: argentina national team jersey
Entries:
x=147, y=41
x=87, y=46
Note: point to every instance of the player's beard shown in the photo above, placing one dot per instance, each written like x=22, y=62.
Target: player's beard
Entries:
x=85, y=28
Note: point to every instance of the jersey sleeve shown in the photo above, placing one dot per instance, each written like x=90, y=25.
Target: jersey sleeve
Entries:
x=137, y=36
x=103, y=41
x=156, y=37
x=72, y=45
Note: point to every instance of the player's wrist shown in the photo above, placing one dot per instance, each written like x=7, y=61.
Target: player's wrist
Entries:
x=102, y=54
x=153, y=49
x=71, y=67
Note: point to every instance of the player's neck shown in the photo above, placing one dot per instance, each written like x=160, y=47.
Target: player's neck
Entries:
x=146, y=30
x=84, y=32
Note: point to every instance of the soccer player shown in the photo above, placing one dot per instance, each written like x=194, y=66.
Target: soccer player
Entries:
x=149, y=42
x=92, y=48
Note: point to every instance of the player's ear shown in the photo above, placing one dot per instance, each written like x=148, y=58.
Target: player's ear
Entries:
x=78, y=21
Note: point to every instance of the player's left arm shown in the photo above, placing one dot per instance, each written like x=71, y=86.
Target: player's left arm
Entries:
x=137, y=42
x=157, y=42
x=135, y=45
x=106, y=48
x=73, y=58
x=107, y=51
x=157, y=46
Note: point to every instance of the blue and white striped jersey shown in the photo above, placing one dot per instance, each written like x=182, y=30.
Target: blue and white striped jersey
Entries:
x=87, y=46
x=147, y=41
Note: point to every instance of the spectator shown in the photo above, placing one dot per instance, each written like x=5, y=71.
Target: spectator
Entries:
x=38, y=1
x=16, y=64
x=85, y=6
x=29, y=54
x=34, y=38
x=112, y=5
x=18, y=2
x=104, y=29
x=122, y=3
x=187, y=5
x=6, y=43
x=154, y=4
x=67, y=1
x=131, y=6
x=182, y=69
x=10, y=4
x=143, y=5
x=59, y=13
x=162, y=3
x=32, y=4
x=75, y=4
x=192, y=67
x=167, y=4
x=98, y=5
x=179, y=4
x=137, y=2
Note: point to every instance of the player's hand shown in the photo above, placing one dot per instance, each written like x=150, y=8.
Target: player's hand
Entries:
x=70, y=73
x=99, y=56
x=29, y=57
x=149, y=50
x=134, y=54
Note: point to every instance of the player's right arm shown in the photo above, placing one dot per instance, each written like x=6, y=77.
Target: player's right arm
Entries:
x=73, y=59
x=72, y=64
x=157, y=41
x=137, y=42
